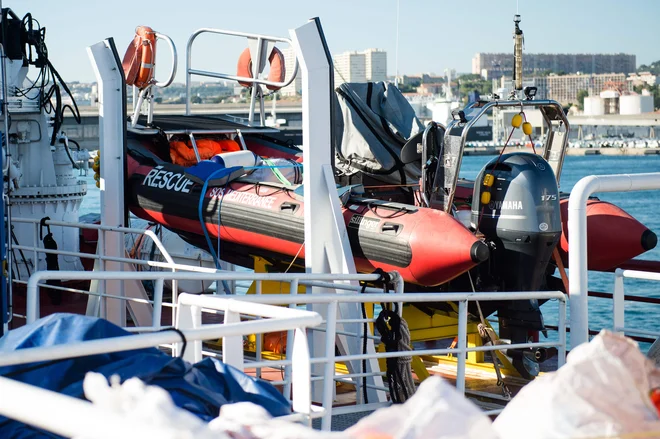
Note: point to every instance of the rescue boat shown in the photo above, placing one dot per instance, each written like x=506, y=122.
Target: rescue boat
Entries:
x=256, y=218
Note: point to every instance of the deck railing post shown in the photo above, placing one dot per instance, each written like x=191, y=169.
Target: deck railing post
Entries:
x=232, y=346
x=329, y=373
x=301, y=374
x=461, y=346
x=618, y=302
x=561, y=327
x=188, y=317
x=158, y=302
x=577, y=239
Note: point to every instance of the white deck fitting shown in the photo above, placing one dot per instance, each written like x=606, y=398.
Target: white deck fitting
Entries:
x=578, y=274
x=112, y=127
x=327, y=247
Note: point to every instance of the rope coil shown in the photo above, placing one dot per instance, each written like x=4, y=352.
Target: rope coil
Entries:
x=395, y=336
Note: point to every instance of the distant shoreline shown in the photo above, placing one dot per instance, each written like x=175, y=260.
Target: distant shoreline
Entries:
x=624, y=151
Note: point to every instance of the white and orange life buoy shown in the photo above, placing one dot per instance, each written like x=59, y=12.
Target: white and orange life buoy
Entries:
x=277, y=69
x=139, y=59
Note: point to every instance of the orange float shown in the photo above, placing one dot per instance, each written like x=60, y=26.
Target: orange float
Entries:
x=138, y=62
x=277, y=69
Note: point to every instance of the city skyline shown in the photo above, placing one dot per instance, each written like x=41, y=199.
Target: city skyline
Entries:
x=432, y=36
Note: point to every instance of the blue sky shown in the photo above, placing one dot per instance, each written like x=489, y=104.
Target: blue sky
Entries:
x=433, y=34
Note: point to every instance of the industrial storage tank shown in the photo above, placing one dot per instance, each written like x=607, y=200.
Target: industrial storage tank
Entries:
x=636, y=104
x=594, y=106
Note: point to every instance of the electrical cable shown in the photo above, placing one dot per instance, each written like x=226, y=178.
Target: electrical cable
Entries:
x=200, y=209
x=47, y=72
x=68, y=153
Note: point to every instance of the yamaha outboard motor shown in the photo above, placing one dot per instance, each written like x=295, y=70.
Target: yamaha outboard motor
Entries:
x=516, y=206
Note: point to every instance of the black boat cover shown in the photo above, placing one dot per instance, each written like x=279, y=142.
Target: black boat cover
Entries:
x=372, y=123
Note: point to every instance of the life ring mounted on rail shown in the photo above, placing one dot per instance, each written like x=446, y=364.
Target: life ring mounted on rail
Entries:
x=138, y=62
x=277, y=71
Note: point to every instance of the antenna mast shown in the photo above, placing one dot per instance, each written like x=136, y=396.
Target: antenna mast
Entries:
x=396, y=75
x=518, y=40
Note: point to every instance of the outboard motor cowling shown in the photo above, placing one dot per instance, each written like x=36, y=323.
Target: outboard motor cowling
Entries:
x=516, y=206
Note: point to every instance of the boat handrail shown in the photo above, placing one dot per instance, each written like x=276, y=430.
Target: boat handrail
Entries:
x=147, y=92
x=332, y=301
x=262, y=42
x=577, y=239
x=554, y=148
x=99, y=227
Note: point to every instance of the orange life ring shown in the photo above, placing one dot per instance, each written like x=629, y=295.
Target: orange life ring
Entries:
x=138, y=62
x=277, y=69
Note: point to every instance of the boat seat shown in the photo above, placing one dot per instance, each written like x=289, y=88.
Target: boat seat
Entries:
x=411, y=151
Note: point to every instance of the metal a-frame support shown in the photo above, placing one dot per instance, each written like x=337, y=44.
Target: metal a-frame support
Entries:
x=327, y=247
x=112, y=144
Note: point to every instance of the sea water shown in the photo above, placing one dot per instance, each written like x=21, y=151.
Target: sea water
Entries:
x=643, y=205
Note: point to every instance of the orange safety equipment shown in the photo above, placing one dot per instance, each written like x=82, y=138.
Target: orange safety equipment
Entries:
x=139, y=59
x=277, y=69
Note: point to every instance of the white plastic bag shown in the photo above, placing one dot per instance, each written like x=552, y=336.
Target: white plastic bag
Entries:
x=146, y=405
x=437, y=410
x=602, y=391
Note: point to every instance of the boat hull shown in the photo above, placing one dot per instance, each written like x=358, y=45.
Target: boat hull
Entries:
x=427, y=247
x=613, y=236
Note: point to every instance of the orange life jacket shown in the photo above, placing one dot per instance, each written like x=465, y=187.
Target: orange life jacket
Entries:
x=182, y=153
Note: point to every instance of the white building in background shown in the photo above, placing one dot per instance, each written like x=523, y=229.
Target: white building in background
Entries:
x=636, y=104
x=295, y=88
x=612, y=102
x=375, y=65
x=350, y=67
x=365, y=66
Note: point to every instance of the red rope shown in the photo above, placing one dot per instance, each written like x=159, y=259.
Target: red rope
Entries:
x=530, y=136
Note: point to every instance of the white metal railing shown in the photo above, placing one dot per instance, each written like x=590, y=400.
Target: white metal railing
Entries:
x=578, y=284
x=35, y=249
x=189, y=316
x=274, y=318
x=294, y=279
x=258, y=45
x=332, y=302
x=618, y=297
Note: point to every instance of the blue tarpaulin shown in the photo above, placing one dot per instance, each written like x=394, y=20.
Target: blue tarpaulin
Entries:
x=201, y=388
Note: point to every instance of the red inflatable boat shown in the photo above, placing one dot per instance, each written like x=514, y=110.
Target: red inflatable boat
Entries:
x=427, y=247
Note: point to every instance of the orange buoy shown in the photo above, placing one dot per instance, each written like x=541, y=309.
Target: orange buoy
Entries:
x=277, y=69
x=138, y=62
